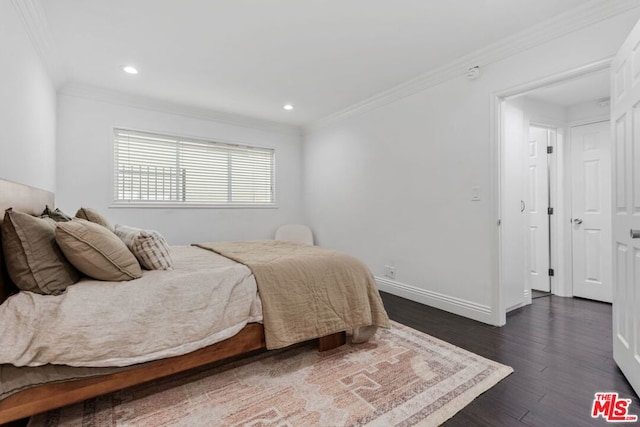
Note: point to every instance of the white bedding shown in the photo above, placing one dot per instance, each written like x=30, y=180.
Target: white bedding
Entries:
x=206, y=299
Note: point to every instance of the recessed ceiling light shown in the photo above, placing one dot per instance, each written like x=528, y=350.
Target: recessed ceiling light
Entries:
x=130, y=69
x=288, y=107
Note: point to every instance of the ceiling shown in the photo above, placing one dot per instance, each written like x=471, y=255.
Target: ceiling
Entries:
x=592, y=87
x=250, y=57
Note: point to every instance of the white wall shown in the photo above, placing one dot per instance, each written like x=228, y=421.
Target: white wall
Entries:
x=545, y=113
x=27, y=107
x=84, y=171
x=393, y=185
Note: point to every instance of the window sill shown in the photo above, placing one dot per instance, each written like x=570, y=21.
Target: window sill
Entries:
x=138, y=205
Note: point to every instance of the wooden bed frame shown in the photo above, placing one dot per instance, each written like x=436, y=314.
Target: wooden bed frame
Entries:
x=45, y=397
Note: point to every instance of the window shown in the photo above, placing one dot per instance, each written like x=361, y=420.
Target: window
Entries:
x=160, y=169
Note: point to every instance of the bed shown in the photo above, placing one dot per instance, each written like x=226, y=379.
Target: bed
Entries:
x=70, y=385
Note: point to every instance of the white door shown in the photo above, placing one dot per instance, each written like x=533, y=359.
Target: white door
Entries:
x=625, y=123
x=536, y=204
x=591, y=211
x=513, y=228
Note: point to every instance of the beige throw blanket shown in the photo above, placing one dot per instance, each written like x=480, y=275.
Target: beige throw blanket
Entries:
x=306, y=291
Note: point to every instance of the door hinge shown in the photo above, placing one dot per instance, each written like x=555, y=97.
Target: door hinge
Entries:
x=549, y=211
x=551, y=272
x=550, y=149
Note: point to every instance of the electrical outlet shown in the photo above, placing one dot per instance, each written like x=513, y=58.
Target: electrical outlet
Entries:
x=390, y=271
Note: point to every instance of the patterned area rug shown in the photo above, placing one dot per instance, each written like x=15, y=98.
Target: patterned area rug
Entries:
x=401, y=377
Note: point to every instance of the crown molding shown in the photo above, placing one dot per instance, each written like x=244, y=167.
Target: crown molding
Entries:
x=573, y=20
x=592, y=12
x=136, y=101
x=35, y=24
x=37, y=28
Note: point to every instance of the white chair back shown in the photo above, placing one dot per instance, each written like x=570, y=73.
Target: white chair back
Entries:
x=295, y=233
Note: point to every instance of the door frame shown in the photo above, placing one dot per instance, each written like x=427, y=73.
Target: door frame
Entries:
x=497, y=151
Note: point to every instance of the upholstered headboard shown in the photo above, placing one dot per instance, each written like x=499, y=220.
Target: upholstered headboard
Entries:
x=24, y=199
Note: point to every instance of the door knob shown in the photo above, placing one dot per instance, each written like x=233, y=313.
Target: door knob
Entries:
x=577, y=221
x=635, y=234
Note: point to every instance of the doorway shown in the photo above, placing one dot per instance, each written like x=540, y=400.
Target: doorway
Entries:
x=555, y=161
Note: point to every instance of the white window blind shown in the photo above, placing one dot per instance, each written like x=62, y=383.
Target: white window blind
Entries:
x=161, y=169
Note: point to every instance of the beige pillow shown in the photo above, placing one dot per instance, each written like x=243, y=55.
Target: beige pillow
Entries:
x=96, y=251
x=93, y=216
x=34, y=261
x=149, y=247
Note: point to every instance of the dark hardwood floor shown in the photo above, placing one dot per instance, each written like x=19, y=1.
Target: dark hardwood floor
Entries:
x=560, y=350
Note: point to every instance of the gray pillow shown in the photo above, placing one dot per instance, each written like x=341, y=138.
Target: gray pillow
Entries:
x=93, y=216
x=34, y=261
x=96, y=251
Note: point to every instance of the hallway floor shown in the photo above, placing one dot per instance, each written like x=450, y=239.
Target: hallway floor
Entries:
x=560, y=350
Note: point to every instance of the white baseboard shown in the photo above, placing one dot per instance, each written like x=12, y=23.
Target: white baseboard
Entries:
x=515, y=307
x=472, y=310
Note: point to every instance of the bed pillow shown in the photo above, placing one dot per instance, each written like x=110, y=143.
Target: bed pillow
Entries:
x=96, y=251
x=152, y=250
x=149, y=247
x=57, y=215
x=127, y=234
x=94, y=216
x=34, y=261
